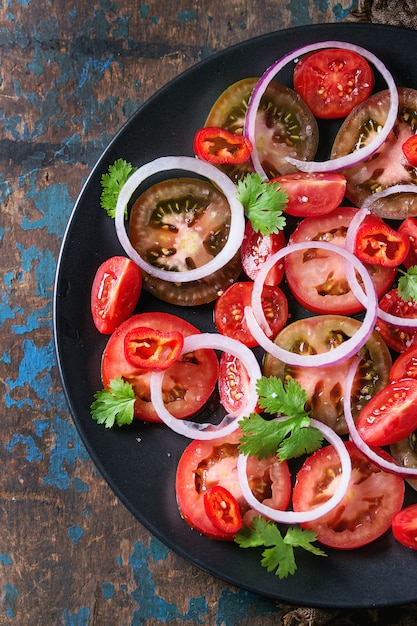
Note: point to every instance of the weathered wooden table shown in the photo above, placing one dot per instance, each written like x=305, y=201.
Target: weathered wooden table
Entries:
x=71, y=73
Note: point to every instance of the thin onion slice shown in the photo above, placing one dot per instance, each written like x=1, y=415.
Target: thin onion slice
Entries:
x=299, y=517
x=388, y=466
x=212, y=173
x=229, y=423
x=388, y=191
x=389, y=318
x=330, y=165
x=256, y=321
x=350, y=246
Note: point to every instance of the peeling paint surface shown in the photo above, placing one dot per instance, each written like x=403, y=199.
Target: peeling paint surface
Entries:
x=71, y=73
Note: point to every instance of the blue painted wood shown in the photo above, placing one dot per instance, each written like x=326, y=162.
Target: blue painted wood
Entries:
x=71, y=73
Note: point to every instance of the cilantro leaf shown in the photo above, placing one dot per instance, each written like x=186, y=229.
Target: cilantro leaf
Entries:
x=274, y=397
x=407, y=284
x=112, y=182
x=287, y=439
x=263, y=203
x=114, y=405
x=279, y=554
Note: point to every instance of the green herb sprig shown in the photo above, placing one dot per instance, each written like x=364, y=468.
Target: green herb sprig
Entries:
x=263, y=202
x=114, y=405
x=287, y=439
x=279, y=554
x=407, y=284
x=112, y=182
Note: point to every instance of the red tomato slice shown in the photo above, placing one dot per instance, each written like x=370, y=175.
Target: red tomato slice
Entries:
x=312, y=193
x=410, y=150
x=377, y=243
x=205, y=464
x=188, y=383
x=115, y=293
x=256, y=249
x=317, y=278
x=404, y=526
x=229, y=311
x=223, y=509
x=333, y=81
x=409, y=228
x=390, y=415
x=405, y=365
x=396, y=337
x=366, y=511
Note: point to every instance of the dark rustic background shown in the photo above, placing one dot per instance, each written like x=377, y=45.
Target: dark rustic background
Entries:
x=71, y=73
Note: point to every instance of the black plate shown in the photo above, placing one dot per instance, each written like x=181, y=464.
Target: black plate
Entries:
x=139, y=463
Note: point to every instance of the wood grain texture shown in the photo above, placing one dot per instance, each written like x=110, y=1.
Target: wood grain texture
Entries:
x=71, y=73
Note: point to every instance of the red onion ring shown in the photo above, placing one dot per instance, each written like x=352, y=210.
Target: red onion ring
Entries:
x=190, y=164
x=330, y=165
x=299, y=517
x=388, y=466
x=389, y=318
x=206, y=431
x=255, y=318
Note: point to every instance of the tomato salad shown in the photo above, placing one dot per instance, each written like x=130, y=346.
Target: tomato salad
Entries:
x=259, y=231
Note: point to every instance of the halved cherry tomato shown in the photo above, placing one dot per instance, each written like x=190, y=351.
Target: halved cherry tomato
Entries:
x=377, y=243
x=410, y=150
x=219, y=146
x=366, y=511
x=233, y=383
x=257, y=248
x=312, y=193
x=317, y=278
x=405, y=365
x=398, y=338
x=204, y=464
x=115, y=293
x=152, y=349
x=408, y=227
x=229, y=311
x=390, y=415
x=223, y=510
x=333, y=81
x=404, y=526
x=187, y=384
x=325, y=386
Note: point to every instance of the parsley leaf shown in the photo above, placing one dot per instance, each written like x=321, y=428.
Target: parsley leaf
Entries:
x=112, y=182
x=279, y=554
x=287, y=439
x=407, y=284
x=274, y=397
x=114, y=405
x=263, y=203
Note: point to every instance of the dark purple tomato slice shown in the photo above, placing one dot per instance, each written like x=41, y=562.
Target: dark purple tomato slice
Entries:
x=388, y=165
x=180, y=224
x=285, y=126
x=325, y=385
